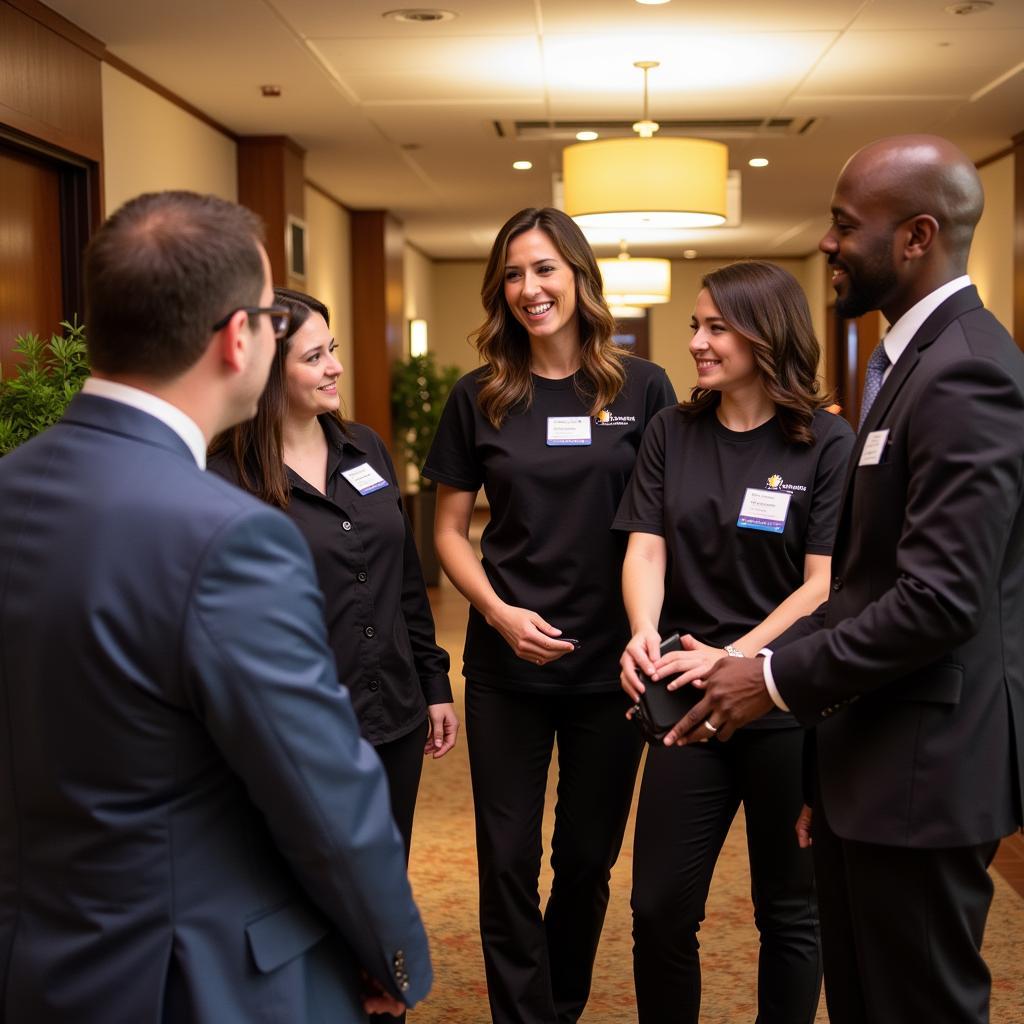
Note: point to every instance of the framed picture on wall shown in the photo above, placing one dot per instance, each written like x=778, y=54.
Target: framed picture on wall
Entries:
x=295, y=245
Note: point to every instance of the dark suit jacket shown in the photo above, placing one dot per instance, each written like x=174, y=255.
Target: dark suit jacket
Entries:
x=916, y=683
x=191, y=829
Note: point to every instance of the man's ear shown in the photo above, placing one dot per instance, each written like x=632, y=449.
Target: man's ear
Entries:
x=234, y=340
x=921, y=232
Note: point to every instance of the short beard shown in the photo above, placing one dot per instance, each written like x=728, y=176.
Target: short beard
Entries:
x=874, y=282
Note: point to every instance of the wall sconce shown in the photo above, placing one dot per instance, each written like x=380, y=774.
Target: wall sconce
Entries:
x=417, y=337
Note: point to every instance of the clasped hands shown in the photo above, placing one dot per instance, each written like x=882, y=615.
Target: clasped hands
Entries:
x=734, y=688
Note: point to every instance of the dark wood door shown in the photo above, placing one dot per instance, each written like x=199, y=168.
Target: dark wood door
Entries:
x=31, y=256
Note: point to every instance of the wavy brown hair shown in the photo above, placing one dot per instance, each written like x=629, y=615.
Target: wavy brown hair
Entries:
x=503, y=342
x=256, y=447
x=766, y=305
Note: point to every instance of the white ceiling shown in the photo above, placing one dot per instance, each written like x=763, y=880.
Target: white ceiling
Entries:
x=402, y=116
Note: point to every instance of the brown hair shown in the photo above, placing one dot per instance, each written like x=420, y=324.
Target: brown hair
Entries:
x=766, y=305
x=503, y=342
x=256, y=446
x=160, y=272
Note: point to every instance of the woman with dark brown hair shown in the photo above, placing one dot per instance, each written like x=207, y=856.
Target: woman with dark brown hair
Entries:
x=731, y=514
x=335, y=480
x=549, y=426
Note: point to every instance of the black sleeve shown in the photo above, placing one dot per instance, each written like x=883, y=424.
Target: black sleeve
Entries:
x=660, y=394
x=453, y=458
x=642, y=508
x=829, y=477
x=431, y=661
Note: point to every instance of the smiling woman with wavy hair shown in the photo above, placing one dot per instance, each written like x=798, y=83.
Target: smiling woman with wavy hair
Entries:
x=503, y=341
x=549, y=427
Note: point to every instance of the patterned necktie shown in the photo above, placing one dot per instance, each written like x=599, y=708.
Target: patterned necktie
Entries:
x=877, y=365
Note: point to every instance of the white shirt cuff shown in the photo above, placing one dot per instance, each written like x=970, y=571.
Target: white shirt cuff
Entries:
x=769, y=680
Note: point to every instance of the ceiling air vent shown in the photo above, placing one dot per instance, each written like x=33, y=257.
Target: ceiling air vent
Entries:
x=718, y=128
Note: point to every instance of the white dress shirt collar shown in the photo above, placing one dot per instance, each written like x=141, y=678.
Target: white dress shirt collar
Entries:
x=899, y=335
x=170, y=415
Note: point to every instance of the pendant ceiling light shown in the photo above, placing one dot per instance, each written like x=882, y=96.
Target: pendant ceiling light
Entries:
x=635, y=282
x=646, y=182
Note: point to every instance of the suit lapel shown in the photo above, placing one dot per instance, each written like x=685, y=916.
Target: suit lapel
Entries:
x=955, y=306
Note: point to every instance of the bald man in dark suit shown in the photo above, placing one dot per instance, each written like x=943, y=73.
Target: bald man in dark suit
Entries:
x=912, y=674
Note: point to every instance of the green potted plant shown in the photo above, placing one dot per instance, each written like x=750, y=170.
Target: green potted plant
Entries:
x=49, y=374
x=419, y=388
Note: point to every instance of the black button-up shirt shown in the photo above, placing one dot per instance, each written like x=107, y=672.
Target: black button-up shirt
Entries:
x=375, y=602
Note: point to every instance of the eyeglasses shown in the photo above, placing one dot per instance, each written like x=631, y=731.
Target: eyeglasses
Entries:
x=280, y=317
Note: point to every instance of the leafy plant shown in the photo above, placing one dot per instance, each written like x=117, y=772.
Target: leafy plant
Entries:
x=418, y=391
x=49, y=375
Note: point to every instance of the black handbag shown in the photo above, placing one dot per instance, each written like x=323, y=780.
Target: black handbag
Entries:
x=659, y=708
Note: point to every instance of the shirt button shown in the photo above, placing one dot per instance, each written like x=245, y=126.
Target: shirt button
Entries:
x=370, y=632
x=374, y=685
x=346, y=525
x=362, y=577
x=837, y=584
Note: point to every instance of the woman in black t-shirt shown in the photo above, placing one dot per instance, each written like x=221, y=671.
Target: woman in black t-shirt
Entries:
x=731, y=513
x=335, y=480
x=549, y=427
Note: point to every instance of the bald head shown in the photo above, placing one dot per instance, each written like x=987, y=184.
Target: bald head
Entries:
x=920, y=174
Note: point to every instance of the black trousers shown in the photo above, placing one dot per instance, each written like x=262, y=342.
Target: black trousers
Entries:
x=901, y=930
x=539, y=966
x=403, y=765
x=688, y=799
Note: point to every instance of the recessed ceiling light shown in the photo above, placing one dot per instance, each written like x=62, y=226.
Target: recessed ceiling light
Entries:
x=758, y=161
x=689, y=254
x=586, y=136
x=652, y=3
x=522, y=165
x=420, y=15
x=270, y=90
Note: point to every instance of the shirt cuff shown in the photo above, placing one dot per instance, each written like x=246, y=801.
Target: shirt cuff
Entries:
x=769, y=680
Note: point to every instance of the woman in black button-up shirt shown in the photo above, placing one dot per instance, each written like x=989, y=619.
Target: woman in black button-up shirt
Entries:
x=335, y=479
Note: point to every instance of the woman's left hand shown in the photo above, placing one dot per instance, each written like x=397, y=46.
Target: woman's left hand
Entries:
x=694, y=661
x=444, y=727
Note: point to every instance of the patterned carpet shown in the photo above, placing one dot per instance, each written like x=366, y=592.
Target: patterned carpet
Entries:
x=443, y=870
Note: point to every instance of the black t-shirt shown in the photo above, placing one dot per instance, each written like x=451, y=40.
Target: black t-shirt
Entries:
x=379, y=622
x=690, y=486
x=548, y=546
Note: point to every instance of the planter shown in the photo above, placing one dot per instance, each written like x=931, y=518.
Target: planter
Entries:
x=421, y=506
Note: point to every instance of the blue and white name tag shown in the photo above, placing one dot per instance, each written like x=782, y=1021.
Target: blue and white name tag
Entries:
x=568, y=430
x=764, y=510
x=874, y=447
x=365, y=479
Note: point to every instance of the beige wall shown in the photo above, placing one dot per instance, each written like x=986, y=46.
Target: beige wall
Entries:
x=991, y=262
x=329, y=276
x=149, y=144
x=418, y=271
x=457, y=311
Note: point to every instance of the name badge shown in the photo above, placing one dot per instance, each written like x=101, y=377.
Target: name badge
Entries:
x=568, y=430
x=874, y=446
x=365, y=479
x=764, y=510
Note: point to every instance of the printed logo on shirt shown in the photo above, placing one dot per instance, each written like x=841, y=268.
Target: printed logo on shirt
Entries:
x=605, y=418
x=776, y=483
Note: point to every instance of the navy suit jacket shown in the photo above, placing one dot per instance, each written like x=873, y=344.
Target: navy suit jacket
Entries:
x=916, y=683
x=191, y=829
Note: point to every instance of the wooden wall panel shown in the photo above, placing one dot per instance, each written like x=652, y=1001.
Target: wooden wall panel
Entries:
x=49, y=86
x=271, y=182
x=31, y=296
x=377, y=314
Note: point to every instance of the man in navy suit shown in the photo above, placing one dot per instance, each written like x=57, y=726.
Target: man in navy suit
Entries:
x=913, y=672
x=191, y=829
